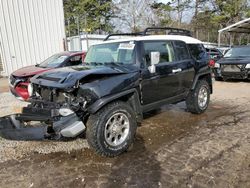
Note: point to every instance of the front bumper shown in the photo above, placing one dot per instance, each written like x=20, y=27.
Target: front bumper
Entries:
x=231, y=74
x=37, y=124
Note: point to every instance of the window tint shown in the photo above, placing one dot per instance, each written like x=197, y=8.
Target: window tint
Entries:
x=181, y=50
x=197, y=51
x=75, y=60
x=164, y=47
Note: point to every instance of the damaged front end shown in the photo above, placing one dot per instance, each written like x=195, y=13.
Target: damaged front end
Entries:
x=51, y=114
x=61, y=101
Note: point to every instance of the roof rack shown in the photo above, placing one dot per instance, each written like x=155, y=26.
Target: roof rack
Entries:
x=171, y=31
x=123, y=34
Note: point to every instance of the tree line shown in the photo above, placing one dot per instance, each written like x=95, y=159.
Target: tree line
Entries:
x=203, y=17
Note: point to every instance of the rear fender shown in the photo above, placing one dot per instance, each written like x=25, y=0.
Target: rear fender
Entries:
x=206, y=75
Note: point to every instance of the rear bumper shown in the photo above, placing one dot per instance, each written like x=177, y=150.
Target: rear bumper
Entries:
x=37, y=124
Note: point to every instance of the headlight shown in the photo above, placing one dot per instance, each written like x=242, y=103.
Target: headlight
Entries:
x=248, y=66
x=65, y=111
x=216, y=65
x=30, y=89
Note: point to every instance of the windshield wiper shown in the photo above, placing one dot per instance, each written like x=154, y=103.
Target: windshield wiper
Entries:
x=38, y=65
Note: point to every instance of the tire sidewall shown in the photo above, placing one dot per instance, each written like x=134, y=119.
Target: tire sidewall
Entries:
x=201, y=84
x=101, y=129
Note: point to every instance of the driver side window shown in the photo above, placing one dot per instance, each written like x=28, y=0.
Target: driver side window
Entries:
x=165, y=49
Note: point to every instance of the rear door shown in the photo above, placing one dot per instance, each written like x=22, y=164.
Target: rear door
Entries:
x=186, y=65
x=165, y=82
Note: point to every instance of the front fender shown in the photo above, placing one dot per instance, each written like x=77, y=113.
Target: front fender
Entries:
x=131, y=96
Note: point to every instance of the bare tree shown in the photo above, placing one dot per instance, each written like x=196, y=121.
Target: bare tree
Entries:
x=132, y=15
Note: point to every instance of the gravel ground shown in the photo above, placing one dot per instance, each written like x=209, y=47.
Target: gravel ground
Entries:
x=173, y=148
x=17, y=149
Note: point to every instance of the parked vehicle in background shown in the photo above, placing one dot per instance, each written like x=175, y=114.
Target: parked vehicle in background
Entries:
x=234, y=65
x=19, y=80
x=121, y=80
x=223, y=50
x=214, y=54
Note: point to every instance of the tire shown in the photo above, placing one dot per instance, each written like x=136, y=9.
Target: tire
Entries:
x=112, y=129
x=193, y=102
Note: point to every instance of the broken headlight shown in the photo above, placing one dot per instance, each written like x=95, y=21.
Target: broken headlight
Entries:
x=65, y=111
x=247, y=66
x=30, y=89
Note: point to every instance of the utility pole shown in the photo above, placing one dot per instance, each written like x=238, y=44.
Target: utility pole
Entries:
x=78, y=31
x=86, y=30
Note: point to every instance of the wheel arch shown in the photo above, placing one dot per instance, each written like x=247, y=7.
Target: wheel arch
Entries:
x=204, y=76
x=130, y=96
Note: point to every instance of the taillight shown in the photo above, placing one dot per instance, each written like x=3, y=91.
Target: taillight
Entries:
x=211, y=63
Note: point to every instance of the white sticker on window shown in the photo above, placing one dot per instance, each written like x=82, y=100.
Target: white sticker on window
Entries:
x=126, y=46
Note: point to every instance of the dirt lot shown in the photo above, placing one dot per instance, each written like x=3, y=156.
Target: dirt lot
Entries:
x=173, y=148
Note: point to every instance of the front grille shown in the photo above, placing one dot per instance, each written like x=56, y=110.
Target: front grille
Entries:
x=231, y=68
x=49, y=94
x=46, y=94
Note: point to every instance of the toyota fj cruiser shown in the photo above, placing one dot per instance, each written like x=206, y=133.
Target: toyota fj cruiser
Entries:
x=105, y=99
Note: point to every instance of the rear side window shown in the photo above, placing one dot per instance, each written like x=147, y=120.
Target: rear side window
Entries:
x=197, y=51
x=165, y=48
x=181, y=50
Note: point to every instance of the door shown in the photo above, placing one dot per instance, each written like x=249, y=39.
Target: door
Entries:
x=186, y=64
x=166, y=80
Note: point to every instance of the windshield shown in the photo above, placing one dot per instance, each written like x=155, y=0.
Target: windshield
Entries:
x=53, y=61
x=119, y=52
x=238, y=52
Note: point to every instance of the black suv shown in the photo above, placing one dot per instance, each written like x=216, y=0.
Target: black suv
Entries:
x=123, y=78
x=234, y=65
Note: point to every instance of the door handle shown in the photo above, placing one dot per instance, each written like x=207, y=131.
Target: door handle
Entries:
x=176, y=70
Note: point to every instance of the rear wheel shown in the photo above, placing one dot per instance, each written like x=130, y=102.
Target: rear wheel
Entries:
x=112, y=129
x=198, y=99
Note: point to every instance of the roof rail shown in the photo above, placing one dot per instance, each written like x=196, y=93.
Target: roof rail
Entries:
x=123, y=34
x=172, y=31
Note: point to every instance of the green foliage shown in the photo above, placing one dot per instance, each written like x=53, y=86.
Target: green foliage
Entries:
x=229, y=11
x=91, y=15
x=163, y=12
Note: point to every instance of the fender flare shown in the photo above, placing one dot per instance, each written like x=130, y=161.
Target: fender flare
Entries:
x=133, y=100
x=197, y=77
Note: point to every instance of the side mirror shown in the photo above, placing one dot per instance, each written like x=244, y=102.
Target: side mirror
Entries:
x=155, y=59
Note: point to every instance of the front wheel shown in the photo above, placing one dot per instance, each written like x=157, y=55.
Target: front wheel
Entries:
x=198, y=99
x=112, y=129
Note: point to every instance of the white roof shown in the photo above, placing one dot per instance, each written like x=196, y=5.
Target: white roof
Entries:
x=242, y=26
x=186, y=39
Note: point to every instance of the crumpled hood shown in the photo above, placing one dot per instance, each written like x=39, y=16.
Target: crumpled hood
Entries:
x=29, y=71
x=234, y=61
x=69, y=76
